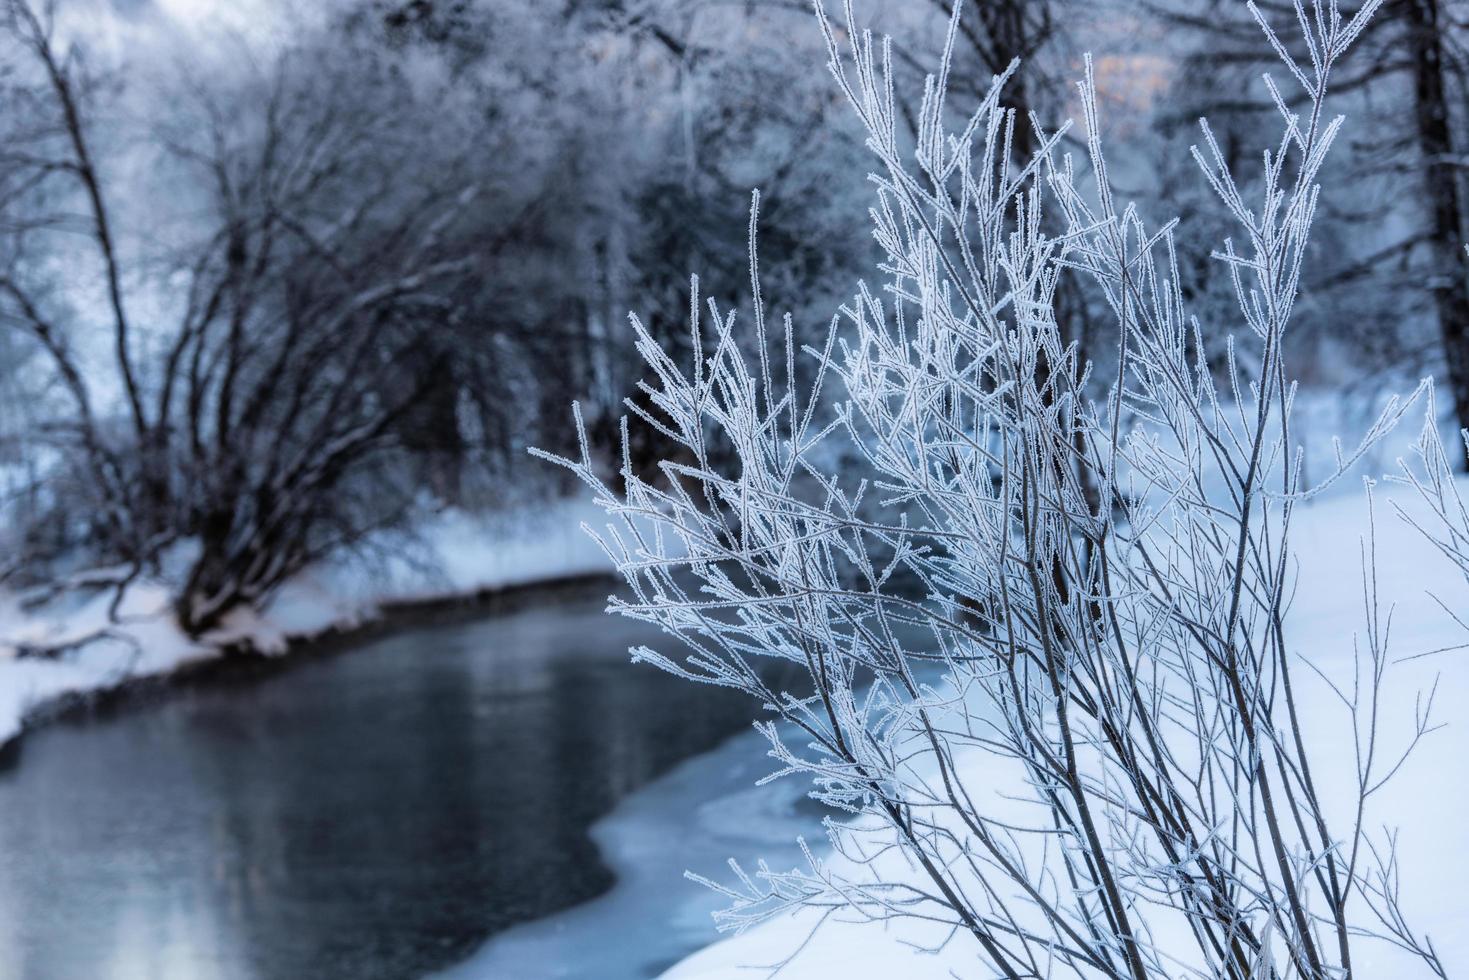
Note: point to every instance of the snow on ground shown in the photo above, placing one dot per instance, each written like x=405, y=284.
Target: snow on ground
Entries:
x=452, y=554
x=1427, y=800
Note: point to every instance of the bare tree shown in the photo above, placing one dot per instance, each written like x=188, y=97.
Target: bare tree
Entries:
x=264, y=420
x=1425, y=27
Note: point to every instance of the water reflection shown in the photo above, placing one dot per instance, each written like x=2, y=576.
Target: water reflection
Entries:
x=375, y=814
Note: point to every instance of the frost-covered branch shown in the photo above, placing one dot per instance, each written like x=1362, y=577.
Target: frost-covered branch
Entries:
x=1067, y=584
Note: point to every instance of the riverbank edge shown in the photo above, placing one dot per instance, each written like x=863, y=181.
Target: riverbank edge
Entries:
x=239, y=656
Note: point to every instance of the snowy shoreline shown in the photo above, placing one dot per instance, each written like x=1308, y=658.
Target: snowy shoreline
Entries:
x=1426, y=801
x=692, y=818
x=456, y=559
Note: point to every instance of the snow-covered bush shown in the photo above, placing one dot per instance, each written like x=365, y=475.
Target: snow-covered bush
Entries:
x=1062, y=585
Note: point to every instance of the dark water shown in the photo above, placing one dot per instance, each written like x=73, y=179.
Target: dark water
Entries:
x=372, y=814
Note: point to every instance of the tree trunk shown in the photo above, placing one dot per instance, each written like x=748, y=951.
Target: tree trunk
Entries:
x=1450, y=275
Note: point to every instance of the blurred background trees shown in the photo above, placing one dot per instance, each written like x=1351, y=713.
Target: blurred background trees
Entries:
x=1389, y=294
x=270, y=283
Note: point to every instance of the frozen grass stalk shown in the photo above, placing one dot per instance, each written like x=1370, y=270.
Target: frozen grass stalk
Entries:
x=1076, y=582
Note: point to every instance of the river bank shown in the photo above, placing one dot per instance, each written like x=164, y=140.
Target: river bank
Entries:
x=694, y=818
x=115, y=644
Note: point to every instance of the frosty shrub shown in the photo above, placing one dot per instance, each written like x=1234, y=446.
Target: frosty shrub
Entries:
x=1062, y=586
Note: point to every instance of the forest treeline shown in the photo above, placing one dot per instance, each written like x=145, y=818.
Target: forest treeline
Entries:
x=268, y=289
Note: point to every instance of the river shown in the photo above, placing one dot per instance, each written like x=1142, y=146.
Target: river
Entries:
x=378, y=812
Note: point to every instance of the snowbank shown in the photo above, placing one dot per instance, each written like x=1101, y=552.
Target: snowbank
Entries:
x=453, y=554
x=1427, y=800
x=696, y=816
